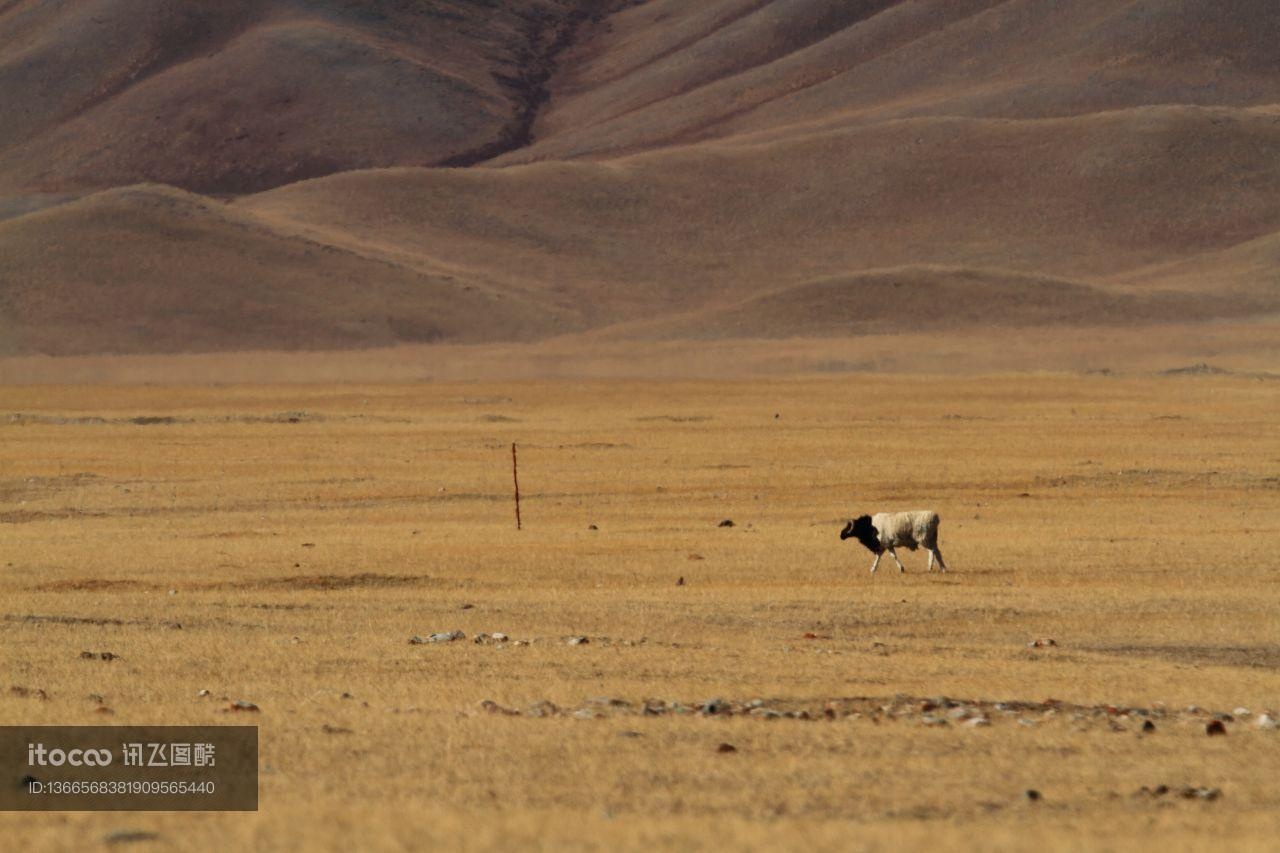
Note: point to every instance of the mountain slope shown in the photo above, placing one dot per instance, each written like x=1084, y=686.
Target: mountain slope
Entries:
x=237, y=96
x=150, y=269
x=384, y=171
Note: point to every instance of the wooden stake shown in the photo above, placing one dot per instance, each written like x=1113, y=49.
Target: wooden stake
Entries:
x=515, y=478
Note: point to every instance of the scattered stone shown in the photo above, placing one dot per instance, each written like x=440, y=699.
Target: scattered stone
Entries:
x=680, y=581
x=592, y=527
x=586, y=714
x=103, y=709
x=308, y=544
x=441, y=637
x=97, y=697
x=1215, y=727
x=958, y=713
x=629, y=733
x=932, y=720
x=1207, y=794
x=696, y=557
x=336, y=730
x=810, y=635
x=544, y=708
x=27, y=692
x=728, y=522
x=1240, y=712
x=713, y=707
x=202, y=693
x=726, y=747
x=242, y=705
x=1033, y=795
x=346, y=695
x=494, y=708
x=1267, y=722
x=577, y=641
x=107, y=656
x=1157, y=791
x=1148, y=727
x=465, y=606
x=1042, y=643
x=977, y=722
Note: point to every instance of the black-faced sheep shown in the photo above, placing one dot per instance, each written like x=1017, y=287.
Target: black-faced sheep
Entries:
x=885, y=531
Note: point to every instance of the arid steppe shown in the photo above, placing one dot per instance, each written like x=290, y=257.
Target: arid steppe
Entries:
x=280, y=545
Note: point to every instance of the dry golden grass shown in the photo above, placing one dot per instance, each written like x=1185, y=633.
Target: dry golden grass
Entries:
x=1135, y=521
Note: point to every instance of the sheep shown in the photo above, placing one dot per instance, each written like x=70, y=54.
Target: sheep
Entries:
x=885, y=531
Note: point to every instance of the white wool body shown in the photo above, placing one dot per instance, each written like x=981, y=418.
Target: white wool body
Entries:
x=908, y=530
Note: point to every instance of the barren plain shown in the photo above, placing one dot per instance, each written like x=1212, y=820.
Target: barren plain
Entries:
x=281, y=545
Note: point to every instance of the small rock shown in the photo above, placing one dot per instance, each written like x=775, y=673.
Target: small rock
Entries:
x=1267, y=722
x=1240, y=712
x=441, y=637
x=465, y=606
x=577, y=641
x=1208, y=794
x=629, y=733
x=977, y=722
x=680, y=581
x=97, y=697
x=1042, y=643
x=202, y=693
x=696, y=557
x=958, y=713
x=713, y=707
x=335, y=730
x=1148, y=727
x=494, y=708
x=592, y=527
x=1033, y=795
x=728, y=522
x=726, y=747
x=1215, y=727
x=498, y=637
x=931, y=720
x=242, y=705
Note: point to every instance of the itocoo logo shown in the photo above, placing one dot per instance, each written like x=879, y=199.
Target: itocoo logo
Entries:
x=37, y=755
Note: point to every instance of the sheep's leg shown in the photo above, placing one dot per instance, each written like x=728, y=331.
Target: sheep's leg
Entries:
x=941, y=564
x=894, y=554
x=876, y=564
x=930, y=560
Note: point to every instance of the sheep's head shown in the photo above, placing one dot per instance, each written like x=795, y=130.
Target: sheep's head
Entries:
x=864, y=531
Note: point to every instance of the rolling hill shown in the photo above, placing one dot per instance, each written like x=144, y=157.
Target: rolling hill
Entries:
x=331, y=174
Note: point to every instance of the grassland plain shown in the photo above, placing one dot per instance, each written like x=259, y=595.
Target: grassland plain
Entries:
x=280, y=545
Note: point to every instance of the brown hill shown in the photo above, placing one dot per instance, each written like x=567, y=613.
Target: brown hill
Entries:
x=152, y=269
x=653, y=169
x=229, y=97
x=929, y=299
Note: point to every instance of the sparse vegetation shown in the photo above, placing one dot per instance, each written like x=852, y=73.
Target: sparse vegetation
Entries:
x=234, y=564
